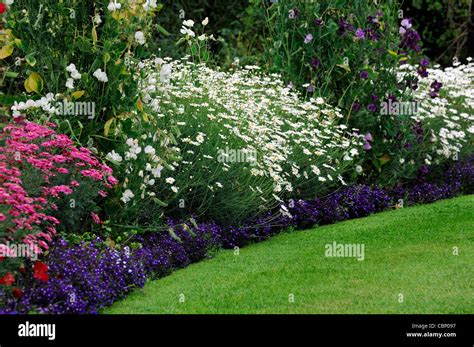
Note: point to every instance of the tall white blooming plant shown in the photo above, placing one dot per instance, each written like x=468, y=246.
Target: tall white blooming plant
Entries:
x=227, y=146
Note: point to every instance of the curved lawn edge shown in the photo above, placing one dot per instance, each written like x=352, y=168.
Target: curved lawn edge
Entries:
x=409, y=267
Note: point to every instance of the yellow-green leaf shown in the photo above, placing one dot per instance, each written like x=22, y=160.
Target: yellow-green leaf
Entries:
x=395, y=54
x=78, y=94
x=34, y=83
x=345, y=67
x=94, y=35
x=140, y=105
x=384, y=159
x=6, y=51
x=107, y=126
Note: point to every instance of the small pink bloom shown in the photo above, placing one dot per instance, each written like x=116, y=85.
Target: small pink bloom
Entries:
x=96, y=218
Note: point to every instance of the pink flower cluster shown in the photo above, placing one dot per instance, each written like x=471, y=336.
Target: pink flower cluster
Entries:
x=32, y=158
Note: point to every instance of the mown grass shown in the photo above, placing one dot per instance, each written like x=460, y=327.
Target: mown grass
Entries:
x=407, y=251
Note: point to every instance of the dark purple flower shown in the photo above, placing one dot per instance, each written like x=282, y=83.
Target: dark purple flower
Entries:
x=344, y=27
x=315, y=62
x=356, y=106
x=318, y=22
x=436, y=86
x=422, y=72
x=364, y=75
x=372, y=107
x=424, y=62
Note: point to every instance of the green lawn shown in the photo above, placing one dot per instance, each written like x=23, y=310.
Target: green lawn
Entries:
x=407, y=251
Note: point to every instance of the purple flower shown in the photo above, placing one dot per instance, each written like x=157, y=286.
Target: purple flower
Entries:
x=360, y=34
x=308, y=38
x=424, y=62
x=315, y=62
x=372, y=107
x=318, y=22
x=344, y=27
x=310, y=89
x=367, y=146
x=379, y=13
x=422, y=72
x=436, y=85
x=364, y=75
x=368, y=137
x=356, y=106
x=406, y=23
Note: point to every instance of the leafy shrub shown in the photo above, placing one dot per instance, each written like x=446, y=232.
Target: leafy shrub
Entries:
x=335, y=48
x=78, y=49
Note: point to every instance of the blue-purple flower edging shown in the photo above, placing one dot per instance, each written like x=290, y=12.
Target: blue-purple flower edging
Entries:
x=87, y=277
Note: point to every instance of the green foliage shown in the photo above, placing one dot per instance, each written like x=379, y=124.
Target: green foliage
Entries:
x=445, y=25
x=50, y=36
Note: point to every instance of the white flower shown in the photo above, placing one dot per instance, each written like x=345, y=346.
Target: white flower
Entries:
x=97, y=20
x=156, y=172
x=174, y=189
x=150, y=4
x=202, y=37
x=170, y=180
x=140, y=37
x=402, y=161
x=150, y=150
x=315, y=170
x=114, y=5
x=219, y=184
x=358, y=169
x=70, y=83
x=100, y=75
x=113, y=156
x=76, y=75
x=165, y=73
x=188, y=23
x=127, y=196
x=186, y=31
x=9, y=2
x=71, y=68
x=205, y=21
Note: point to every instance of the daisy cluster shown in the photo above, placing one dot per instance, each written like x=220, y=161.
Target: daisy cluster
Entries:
x=299, y=145
x=446, y=111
